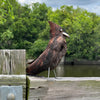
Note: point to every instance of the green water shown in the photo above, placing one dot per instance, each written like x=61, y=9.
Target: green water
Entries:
x=75, y=71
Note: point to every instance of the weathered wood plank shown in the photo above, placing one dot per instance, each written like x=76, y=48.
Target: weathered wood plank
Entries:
x=65, y=88
x=33, y=79
x=11, y=91
x=14, y=80
x=4, y=61
x=18, y=62
x=12, y=61
x=12, y=68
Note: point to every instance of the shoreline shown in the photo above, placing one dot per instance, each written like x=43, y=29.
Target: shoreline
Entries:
x=79, y=62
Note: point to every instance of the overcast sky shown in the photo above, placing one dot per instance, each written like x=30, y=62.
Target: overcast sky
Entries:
x=90, y=5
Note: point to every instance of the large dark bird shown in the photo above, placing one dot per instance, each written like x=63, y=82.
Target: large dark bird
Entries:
x=52, y=55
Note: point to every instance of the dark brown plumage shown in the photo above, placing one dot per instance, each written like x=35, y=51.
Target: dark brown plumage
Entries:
x=52, y=55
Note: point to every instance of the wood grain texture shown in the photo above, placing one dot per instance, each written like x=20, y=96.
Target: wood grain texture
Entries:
x=12, y=61
x=65, y=88
x=14, y=80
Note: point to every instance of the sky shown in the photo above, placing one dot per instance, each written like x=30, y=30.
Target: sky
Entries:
x=90, y=5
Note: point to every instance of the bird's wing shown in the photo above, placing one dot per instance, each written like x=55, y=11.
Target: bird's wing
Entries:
x=40, y=64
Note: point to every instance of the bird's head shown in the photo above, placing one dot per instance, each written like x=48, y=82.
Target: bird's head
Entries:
x=56, y=30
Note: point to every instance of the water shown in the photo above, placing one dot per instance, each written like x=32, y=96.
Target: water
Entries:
x=75, y=71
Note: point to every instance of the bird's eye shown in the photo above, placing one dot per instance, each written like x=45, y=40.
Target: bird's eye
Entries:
x=61, y=30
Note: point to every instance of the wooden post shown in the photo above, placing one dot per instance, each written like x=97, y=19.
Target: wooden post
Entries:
x=14, y=80
x=12, y=69
x=12, y=62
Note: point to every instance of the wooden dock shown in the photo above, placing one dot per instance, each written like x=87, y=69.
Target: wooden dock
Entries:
x=64, y=88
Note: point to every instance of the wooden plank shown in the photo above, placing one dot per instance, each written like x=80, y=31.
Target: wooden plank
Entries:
x=12, y=61
x=34, y=79
x=4, y=62
x=65, y=88
x=18, y=62
x=12, y=68
x=11, y=91
x=14, y=80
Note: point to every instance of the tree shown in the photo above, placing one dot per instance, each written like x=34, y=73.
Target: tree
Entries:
x=6, y=18
x=26, y=27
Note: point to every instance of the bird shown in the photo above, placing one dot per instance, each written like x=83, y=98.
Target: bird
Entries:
x=52, y=55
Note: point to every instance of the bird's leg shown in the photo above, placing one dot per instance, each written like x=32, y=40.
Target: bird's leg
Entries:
x=54, y=73
x=48, y=72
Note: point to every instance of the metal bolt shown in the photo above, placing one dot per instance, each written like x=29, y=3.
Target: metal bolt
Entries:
x=11, y=96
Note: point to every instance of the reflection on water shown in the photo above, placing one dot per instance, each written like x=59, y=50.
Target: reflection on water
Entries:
x=75, y=71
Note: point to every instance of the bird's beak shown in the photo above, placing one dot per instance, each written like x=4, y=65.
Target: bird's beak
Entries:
x=65, y=34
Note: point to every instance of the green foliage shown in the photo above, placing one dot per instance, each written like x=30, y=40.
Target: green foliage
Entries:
x=26, y=27
x=81, y=37
x=38, y=47
x=6, y=39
